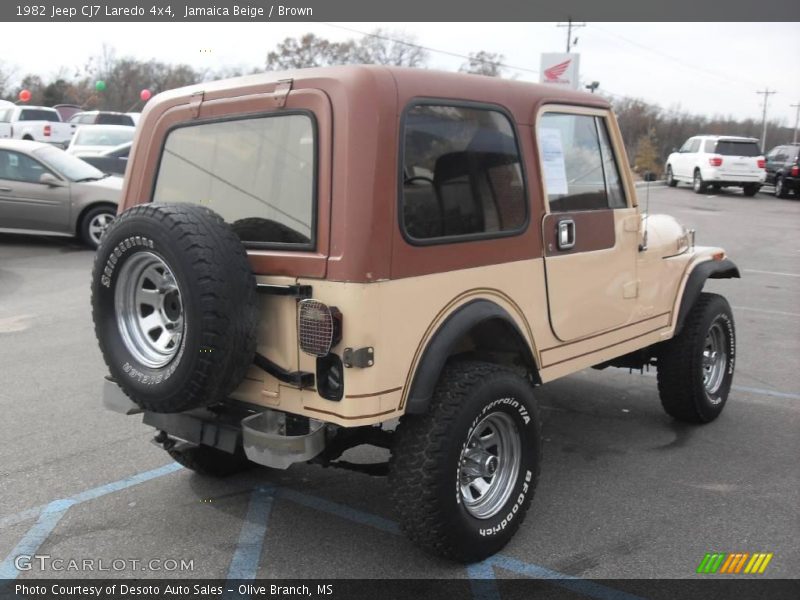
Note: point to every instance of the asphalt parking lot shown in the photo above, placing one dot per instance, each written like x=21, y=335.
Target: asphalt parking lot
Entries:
x=625, y=492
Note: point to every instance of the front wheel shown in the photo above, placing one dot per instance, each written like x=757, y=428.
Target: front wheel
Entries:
x=462, y=476
x=94, y=224
x=695, y=368
x=751, y=189
x=671, y=181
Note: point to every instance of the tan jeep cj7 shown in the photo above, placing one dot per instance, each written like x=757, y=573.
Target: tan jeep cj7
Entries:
x=304, y=258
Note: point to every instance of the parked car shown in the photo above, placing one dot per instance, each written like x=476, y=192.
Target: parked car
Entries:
x=93, y=139
x=101, y=117
x=783, y=169
x=45, y=190
x=275, y=293
x=36, y=123
x=718, y=161
x=113, y=161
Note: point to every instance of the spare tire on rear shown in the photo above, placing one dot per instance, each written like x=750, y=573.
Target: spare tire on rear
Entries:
x=174, y=305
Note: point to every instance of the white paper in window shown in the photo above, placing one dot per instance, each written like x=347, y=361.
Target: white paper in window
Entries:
x=555, y=172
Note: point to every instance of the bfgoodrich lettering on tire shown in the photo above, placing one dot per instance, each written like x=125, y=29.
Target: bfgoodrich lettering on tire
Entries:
x=462, y=476
x=695, y=368
x=174, y=306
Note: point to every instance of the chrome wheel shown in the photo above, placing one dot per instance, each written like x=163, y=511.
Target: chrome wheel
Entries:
x=98, y=226
x=149, y=309
x=715, y=359
x=489, y=465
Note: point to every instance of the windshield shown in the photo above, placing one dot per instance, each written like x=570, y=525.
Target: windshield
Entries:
x=100, y=136
x=731, y=148
x=69, y=166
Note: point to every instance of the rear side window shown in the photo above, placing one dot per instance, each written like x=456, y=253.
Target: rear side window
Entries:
x=734, y=148
x=5, y=115
x=579, y=167
x=461, y=174
x=257, y=173
x=709, y=146
x=37, y=114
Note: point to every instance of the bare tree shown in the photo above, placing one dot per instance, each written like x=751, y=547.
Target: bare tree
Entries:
x=390, y=48
x=484, y=63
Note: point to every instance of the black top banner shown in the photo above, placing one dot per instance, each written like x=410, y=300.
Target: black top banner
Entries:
x=405, y=10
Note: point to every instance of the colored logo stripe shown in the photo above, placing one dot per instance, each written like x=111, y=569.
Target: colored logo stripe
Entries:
x=730, y=563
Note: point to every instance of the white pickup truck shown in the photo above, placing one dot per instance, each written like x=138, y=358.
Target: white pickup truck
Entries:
x=37, y=123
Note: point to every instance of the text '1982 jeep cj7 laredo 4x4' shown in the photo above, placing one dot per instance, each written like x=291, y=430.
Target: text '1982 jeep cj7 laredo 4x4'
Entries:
x=302, y=259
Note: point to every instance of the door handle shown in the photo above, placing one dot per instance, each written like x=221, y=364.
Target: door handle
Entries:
x=566, y=234
x=5, y=189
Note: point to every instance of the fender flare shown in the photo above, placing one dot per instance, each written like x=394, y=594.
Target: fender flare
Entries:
x=709, y=269
x=443, y=342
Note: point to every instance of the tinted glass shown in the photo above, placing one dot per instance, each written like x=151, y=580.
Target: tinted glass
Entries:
x=732, y=148
x=461, y=173
x=579, y=168
x=257, y=173
x=106, y=119
x=38, y=114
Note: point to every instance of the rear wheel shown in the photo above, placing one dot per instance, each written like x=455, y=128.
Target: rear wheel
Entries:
x=750, y=189
x=780, y=188
x=698, y=185
x=462, y=476
x=695, y=369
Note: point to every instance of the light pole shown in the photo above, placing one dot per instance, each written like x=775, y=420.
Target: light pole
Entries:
x=766, y=93
x=796, y=121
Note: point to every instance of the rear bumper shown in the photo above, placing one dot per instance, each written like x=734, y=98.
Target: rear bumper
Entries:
x=712, y=175
x=261, y=433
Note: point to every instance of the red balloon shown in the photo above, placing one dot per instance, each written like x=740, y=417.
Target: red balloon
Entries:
x=24, y=95
x=145, y=95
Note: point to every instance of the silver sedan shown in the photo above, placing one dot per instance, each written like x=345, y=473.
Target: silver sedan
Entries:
x=45, y=190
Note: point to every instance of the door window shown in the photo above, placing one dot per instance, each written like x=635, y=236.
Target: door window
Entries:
x=19, y=167
x=580, y=170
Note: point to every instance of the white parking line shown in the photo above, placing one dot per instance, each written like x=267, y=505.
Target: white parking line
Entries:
x=769, y=312
x=771, y=273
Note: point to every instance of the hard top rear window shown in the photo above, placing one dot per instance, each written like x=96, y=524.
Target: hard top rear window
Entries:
x=38, y=114
x=736, y=148
x=258, y=173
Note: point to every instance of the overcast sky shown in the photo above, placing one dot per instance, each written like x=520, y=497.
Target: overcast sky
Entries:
x=705, y=68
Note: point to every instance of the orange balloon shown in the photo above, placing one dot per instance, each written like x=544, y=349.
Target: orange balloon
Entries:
x=25, y=95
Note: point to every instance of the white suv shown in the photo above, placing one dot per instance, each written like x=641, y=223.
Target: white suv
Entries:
x=718, y=161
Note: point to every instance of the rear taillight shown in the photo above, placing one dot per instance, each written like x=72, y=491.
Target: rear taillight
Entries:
x=715, y=161
x=319, y=327
x=795, y=171
x=47, y=130
x=762, y=164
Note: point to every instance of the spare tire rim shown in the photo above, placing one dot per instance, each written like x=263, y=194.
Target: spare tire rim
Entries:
x=489, y=465
x=715, y=358
x=149, y=309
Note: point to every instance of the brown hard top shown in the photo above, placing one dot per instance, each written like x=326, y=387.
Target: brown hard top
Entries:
x=358, y=236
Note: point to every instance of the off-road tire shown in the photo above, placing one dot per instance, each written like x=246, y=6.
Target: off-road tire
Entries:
x=780, y=188
x=698, y=185
x=219, y=305
x=210, y=462
x=424, y=469
x=684, y=395
x=671, y=181
x=750, y=189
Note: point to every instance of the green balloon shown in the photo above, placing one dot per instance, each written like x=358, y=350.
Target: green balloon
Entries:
x=100, y=85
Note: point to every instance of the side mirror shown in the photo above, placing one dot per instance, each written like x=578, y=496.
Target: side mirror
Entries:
x=649, y=176
x=50, y=180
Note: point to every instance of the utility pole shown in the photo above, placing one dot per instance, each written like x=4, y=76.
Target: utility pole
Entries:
x=766, y=93
x=796, y=121
x=570, y=26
